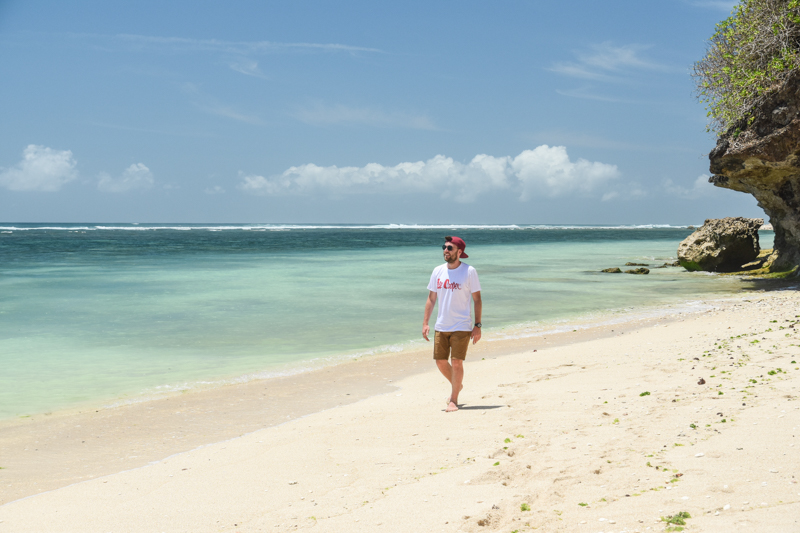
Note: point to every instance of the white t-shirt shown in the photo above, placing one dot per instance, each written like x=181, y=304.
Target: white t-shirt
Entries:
x=454, y=288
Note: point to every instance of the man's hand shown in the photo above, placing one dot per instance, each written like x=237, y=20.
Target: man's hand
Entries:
x=475, y=335
x=425, y=330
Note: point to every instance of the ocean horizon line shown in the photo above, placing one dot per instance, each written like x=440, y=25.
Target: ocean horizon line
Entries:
x=274, y=226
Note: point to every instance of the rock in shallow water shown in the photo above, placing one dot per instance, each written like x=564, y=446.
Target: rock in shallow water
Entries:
x=721, y=245
x=614, y=270
x=638, y=271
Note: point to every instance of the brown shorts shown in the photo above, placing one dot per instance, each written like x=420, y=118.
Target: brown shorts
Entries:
x=448, y=344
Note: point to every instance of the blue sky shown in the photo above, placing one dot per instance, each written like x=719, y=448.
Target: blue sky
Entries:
x=318, y=111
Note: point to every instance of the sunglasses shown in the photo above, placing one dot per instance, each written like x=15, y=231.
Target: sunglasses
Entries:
x=448, y=247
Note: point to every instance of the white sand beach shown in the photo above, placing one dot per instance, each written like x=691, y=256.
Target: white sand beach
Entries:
x=605, y=429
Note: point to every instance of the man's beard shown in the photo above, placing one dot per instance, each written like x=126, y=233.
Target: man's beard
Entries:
x=453, y=259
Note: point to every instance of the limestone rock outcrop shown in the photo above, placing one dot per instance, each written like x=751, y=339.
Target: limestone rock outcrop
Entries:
x=762, y=157
x=721, y=245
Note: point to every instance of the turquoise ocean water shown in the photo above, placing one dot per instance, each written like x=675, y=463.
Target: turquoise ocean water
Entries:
x=93, y=314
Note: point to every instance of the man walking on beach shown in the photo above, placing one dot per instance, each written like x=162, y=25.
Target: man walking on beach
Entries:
x=453, y=284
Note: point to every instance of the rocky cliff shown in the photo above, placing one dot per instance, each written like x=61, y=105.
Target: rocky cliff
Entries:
x=761, y=157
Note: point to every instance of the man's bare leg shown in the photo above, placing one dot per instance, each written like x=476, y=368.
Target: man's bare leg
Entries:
x=457, y=382
x=447, y=372
x=455, y=375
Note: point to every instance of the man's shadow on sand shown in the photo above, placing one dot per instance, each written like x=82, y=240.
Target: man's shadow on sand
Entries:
x=476, y=407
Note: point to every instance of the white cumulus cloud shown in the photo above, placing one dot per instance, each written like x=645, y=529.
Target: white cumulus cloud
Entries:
x=543, y=171
x=548, y=171
x=41, y=169
x=136, y=176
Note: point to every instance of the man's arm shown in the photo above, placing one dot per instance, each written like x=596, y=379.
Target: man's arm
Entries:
x=428, y=310
x=476, y=332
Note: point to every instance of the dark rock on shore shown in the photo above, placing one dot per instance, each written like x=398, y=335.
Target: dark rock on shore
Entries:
x=614, y=270
x=760, y=155
x=637, y=264
x=721, y=245
x=638, y=271
x=763, y=268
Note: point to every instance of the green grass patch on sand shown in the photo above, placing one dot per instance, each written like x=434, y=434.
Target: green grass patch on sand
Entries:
x=678, y=519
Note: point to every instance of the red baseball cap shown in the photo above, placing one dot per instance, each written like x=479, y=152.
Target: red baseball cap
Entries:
x=460, y=244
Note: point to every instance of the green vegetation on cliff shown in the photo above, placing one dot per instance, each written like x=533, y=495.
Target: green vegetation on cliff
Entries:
x=749, y=55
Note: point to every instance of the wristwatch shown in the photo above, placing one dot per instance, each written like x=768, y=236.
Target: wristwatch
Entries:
x=477, y=324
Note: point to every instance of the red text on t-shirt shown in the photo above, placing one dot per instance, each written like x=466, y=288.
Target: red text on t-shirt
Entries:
x=448, y=285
